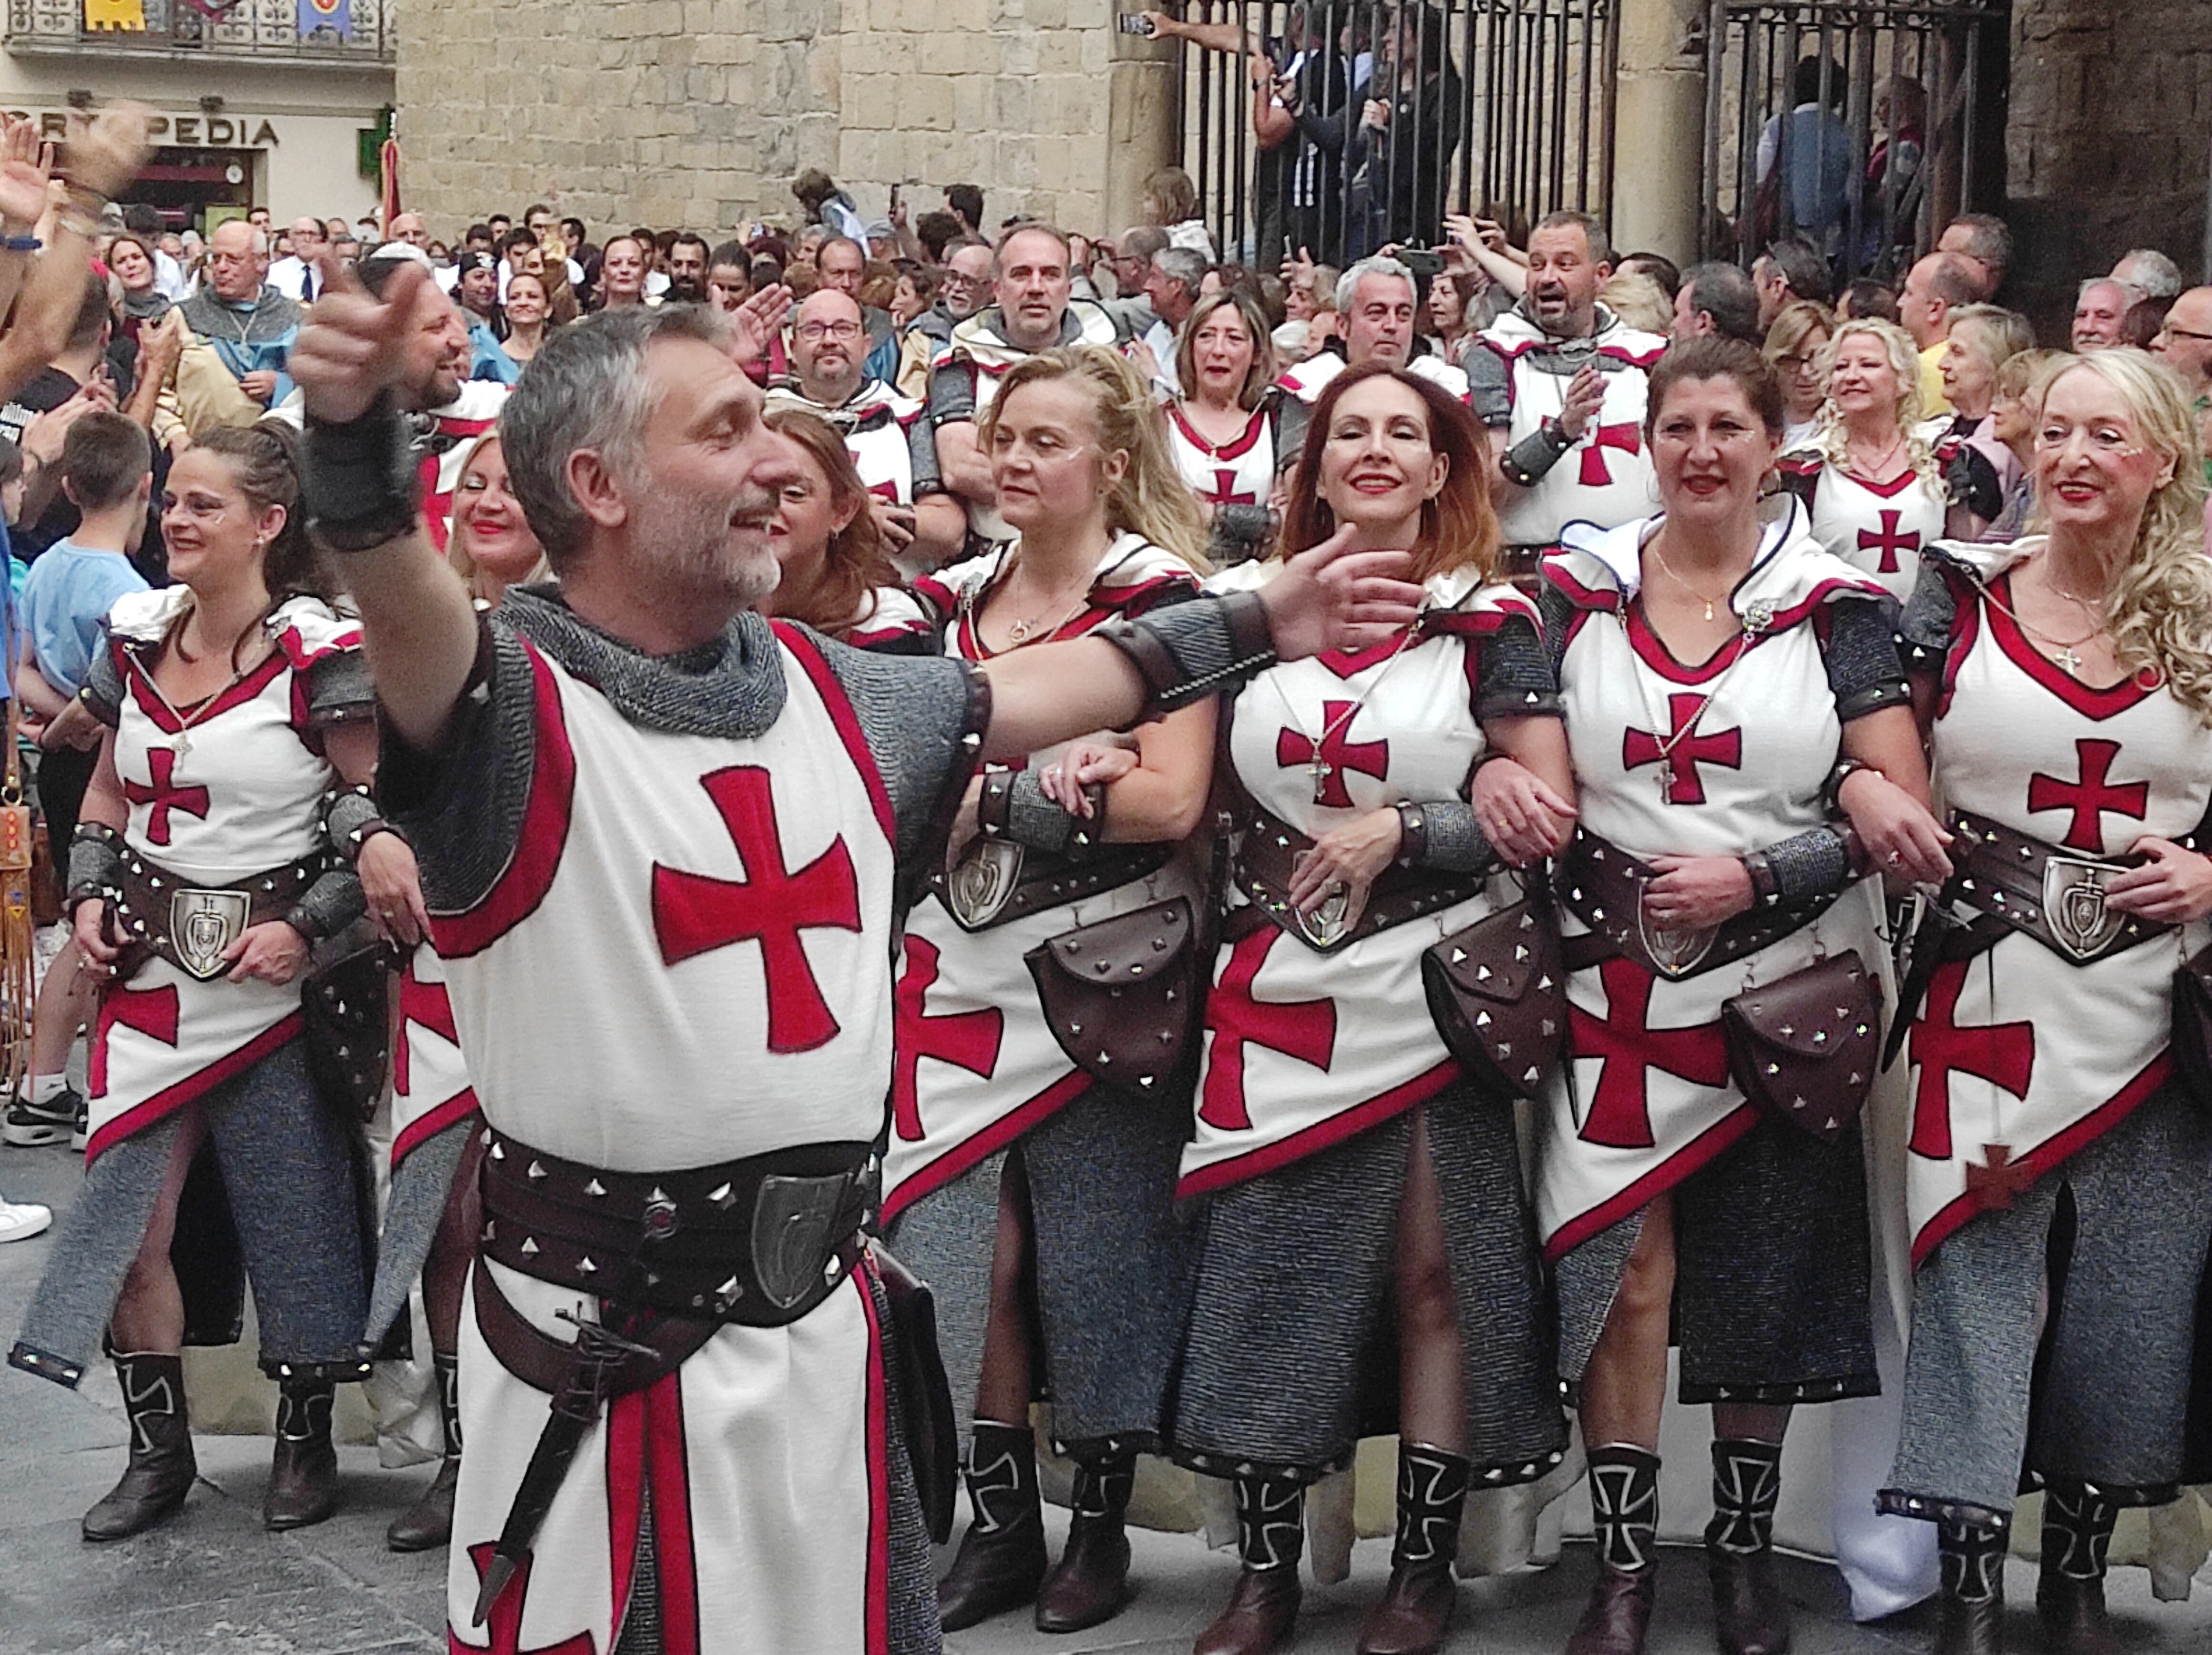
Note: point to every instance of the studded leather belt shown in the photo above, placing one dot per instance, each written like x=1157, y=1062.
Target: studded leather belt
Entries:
x=2055, y=895
x=1602, y=886
x=1266, y=859
x=192, y=926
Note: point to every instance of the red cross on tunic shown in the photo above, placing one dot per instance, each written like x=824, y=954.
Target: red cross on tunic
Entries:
x=1681, y=752
x=1225, y=489
x=1304, y=1029
x=423, y=1005
x=1336, y=753
x=164, y=794
x=1626, y=437
x=695, y=913
x=504, y=1623
x=2092, y=799
x=151, y=1011
x=1890, y=541
x=968, y=1039
x=2002, y=1054
x=1620, y=1110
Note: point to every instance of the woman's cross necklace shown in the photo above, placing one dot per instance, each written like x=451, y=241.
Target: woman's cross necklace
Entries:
x=179, y=741
x=2065, y=651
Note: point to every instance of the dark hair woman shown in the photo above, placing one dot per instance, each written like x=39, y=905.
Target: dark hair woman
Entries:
x=202, y=873
x=1724, y=679
x=837, y=574
x=1347, y=1161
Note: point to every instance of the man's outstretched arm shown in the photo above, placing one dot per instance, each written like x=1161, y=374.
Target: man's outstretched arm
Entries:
x=359, y=495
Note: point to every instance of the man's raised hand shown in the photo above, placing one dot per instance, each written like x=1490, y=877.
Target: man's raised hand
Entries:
x=353, y=346
x=1330, y=598
x=756, y=322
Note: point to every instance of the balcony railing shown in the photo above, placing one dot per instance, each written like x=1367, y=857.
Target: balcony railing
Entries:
x=260, y=30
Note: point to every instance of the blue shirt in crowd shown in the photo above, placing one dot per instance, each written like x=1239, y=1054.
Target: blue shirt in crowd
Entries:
x=70, y=591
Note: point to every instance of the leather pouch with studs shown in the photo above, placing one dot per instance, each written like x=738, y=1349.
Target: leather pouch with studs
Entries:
x=1499, y=997
x=1121, y=995
x=1804, y=1048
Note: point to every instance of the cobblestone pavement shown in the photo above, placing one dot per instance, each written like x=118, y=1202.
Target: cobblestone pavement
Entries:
x=213, y=1583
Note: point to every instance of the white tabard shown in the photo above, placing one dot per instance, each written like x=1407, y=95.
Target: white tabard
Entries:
x=233, y=789
x=1877, y=527
x=455, y=429
x=977, y=1065
x=1306, y=381
x=1605, y=479
x=686, y=962
x=1649, y=1101
x=430, y=1088
x=1304, y=1049
x=2017, y=1058
x=877, y=426
x=1239, y=472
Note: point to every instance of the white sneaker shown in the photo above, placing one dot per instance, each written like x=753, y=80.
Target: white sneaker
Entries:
x=20, y=1220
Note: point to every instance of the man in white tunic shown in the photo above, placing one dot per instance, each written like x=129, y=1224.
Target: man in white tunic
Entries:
x=662, y=841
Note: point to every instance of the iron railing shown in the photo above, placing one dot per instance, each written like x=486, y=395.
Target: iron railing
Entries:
x=1509, y=105
x=1862, y=126
x=255, y=29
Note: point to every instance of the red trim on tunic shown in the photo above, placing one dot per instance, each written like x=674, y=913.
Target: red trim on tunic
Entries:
x=2086, y=699
x=2050, y=1152
x=193, y=1086
x=1890, y=490
x=1481, y=623
x=1965, y=626
x=165, y=720
x=427, y=1126
x=842, y=715
x=1234, y=449
x=993, y=1137
x=670, y=1480
x=1693, y=1157
x=522, y=885
x=625, y=1494
x=1346, y=1124
x=1655, y=655
x=876, y=1630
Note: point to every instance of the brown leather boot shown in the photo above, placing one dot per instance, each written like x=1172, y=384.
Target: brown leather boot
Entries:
x=2069, y=1594
x=1090, y=1586
x=1618, y=1613
x=1970, y=1619
x=1416, y=1607
x=1624, y=1486
x=1750, y=1615
x=428, y=1522
x=1002, y=1558
x=1262, y=1613
x=303, y=1474
x=162, y=1468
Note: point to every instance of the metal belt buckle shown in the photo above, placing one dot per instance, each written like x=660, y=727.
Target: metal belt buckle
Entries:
x=979, y=889
x=2074, y=907
x=795, y=1221
x=202, y=924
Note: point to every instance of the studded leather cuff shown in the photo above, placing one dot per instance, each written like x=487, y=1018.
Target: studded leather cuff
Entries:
x=351, y=820
x=1531, y=460
x=328, y=905
x=1041, y=824
x=1450, y=842
x=95, y=866
x=1811, y=864
x=1187, y=652
x=358, y=481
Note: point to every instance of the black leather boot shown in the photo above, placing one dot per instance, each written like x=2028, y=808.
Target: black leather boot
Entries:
x=1002, y=1559
x=1271, y=1536
x=429, y=1521
x=162, y=1468
x=1416, y=1607
x=2069, y=1596
x=303, y=1476
x=1971, y=1619
x=1750, y=1615
x=1623, y=1485
x=1090, y=1586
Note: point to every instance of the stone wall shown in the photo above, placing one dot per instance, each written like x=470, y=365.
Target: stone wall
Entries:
x=699, y=112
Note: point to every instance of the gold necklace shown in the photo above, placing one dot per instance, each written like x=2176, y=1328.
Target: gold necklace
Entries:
x=1669, y=570
x=2065, y=651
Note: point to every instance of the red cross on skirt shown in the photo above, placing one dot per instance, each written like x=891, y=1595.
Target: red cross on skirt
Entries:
x=421, y=1005
x=505, y=1620
x=1890, y=541
x=1304, y=1029
x=968, y=1039
x=1626, y=437
x=1225, y=489
x=1336, y=753
x=151, y=1011
x=694, y=913
x=2002, y=1054
x=1682, y=752
x=1621, y=1109
x=164, y=794
x=2092, y=799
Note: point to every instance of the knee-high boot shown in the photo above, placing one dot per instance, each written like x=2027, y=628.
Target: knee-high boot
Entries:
x=1972, y=1619
x=1750, y=1615
x=1002, y=1559
x=1623, y=1485
x=303, y=1474
x=2069, y=1596
x=161, y=1467
x=1416, y=1605
x=429, y=1521
x=1271, y=1537
x=1090, y=1586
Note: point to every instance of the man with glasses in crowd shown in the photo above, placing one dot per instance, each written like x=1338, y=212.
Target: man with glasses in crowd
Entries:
x=2186, y=342
x=964, y=290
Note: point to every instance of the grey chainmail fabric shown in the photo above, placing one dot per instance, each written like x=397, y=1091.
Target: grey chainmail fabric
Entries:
x=2130, y=1218
x=1514, y=675
x=1456, y=844
x=1291, y=1304
x=731, y=687
x=1807, y=865
x=1772, y=1274
x=421, y=1186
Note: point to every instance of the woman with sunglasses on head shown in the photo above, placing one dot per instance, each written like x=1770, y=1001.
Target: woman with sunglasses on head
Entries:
x=1351, y=1169
x=2059, y=1187
x=1744, y=752
x=1030, y=1172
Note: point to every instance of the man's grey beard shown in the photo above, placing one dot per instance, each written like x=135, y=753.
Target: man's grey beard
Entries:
x=687, y=551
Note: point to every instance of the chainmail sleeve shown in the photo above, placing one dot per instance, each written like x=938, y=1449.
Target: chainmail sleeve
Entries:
x=923, y=719
x=461, y=805
x=1923, y=634
x=1489, y=385
x=951, y=393
x=1515, y=674
x=1556, y=612
x=1865, y=673
x=103, y=688
x=922, y=457
x=339, y=690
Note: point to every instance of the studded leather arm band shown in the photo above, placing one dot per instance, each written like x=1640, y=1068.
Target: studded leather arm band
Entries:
x=327, y=907
x=1187, y=652
x=1815, y=863
x=358, y=479
x=1531, y=460
x=1040, y=823
x=351, y=820
x=1440, y=835
x=95, y=866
